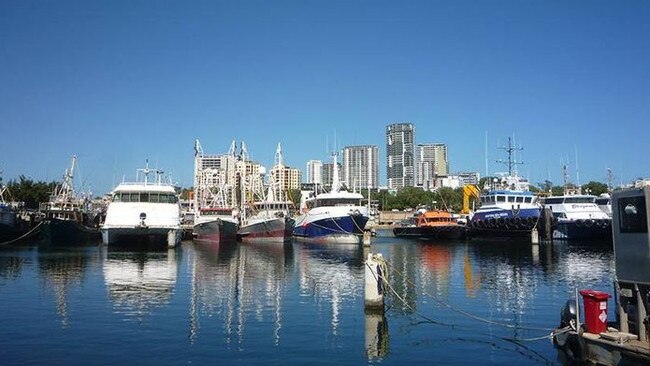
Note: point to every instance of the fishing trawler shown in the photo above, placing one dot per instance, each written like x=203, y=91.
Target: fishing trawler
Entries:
x=334, y=217
x=268, y=219
x=8, y=228
x=143, y=212
x=216, y=219
x=68, y=219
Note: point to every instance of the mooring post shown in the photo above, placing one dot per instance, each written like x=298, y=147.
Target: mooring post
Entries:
x=366, y=237
x=534, y=236
x=548, y=223
x=375, y=274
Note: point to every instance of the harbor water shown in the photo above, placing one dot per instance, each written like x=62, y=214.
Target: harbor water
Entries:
x=448, y=303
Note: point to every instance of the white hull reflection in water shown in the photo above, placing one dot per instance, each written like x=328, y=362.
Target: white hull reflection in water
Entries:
x=294, y=303
x=237, y=283
x=329, y=273
x=139, y=282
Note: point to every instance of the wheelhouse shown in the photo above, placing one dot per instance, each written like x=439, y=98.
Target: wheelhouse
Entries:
x=150, y=197
x=508, y=197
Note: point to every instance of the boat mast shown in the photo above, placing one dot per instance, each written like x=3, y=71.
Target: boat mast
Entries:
x=512, y=162
x=198, y=162
x=335, y=174
x=565, y=177
x=67, y=189
x=610, y=178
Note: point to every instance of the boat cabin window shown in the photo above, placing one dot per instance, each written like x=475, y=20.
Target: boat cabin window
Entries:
x=274, y=206
x=633, y=215
x=319, y=202
x=511, y=198
x=145, y=197
x=520, y=199
x=501, y=198
x=578, y=200
x=553, y=201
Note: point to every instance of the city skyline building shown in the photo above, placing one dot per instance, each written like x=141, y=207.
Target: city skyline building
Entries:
x=432, y=162
x=315, y=171
x=361, y=166
x=400, y=138
x=328, y=174
x=284, y=178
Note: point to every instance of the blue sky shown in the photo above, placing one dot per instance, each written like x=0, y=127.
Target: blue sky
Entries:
x=116, y=82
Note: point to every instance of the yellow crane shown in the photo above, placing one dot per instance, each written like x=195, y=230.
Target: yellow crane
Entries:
x=469, y=191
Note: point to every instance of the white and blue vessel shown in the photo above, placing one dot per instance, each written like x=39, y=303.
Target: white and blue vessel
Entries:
x=577, y=217
x=508, y=208
x=506, y=213
x=334, y=217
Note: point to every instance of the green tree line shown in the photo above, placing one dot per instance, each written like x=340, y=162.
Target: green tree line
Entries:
x=28, y=191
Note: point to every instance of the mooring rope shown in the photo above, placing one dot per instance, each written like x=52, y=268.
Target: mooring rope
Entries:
x=553, y=333
x=385, y=281
x=26, y=235
x=468, y=314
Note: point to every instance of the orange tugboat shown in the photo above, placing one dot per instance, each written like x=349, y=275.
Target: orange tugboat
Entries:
x=431, y=224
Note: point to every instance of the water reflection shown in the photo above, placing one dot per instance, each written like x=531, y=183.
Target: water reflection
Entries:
x=245, y=302
x=507, y=275
x=238, y=281
x=403, y=271
x=376, y=335
x=62, y=270
x=330, y=272
x=11, y=266
x=139, y=282
x=436, y=259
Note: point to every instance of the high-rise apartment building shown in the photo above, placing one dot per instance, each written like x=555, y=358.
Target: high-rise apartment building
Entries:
x=432, y=162
x=315, y=171
x=399, y=155
x=361, y=166
x=328, y=174
x=283, y=177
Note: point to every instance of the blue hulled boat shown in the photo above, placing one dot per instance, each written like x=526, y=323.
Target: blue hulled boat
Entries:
x=334, y=217
x=508, y=208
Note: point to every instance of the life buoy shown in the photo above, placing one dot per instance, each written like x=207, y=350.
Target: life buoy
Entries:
x=579, y=223
x=589, y=223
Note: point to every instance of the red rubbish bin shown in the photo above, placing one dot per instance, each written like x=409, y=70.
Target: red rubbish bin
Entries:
x=595, y=310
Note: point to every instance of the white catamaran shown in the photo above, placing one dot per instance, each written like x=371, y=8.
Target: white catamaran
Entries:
x=143, y=211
